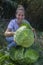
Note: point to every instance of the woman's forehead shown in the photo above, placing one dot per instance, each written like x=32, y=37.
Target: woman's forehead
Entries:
x=20, y=12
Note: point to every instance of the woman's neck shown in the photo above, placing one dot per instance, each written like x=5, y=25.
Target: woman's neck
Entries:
x=19, y=22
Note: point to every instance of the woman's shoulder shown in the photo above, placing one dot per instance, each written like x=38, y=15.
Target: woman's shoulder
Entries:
x=12, y=20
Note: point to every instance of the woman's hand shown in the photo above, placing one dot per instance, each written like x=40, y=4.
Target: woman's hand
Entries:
x=35, y=35
x=9, y=33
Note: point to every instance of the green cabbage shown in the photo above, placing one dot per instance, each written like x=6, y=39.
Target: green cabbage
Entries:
x=26, y=23
x=24, y=56
x=24, y=36
x=31, y=56
x=16, y=53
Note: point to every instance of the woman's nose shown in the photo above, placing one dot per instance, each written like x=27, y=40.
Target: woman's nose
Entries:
x=21, y=17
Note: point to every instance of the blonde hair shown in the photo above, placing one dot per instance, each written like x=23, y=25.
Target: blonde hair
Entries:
x=20, y=7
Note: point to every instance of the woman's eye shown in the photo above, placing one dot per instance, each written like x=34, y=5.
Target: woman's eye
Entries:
x=22, y=15
x=18, y=14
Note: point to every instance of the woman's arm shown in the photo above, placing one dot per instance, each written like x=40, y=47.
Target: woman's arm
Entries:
x=9, y=33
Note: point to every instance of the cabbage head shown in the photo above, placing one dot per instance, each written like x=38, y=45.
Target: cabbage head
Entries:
x=31, y=56
x=23, y=56
x=24, y=37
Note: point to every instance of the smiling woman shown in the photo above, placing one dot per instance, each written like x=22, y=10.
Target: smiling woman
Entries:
x=14, y=25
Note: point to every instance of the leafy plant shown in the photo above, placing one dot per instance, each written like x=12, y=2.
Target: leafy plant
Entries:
x=21, y=55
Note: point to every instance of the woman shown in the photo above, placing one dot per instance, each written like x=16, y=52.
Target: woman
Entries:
x=14, y=25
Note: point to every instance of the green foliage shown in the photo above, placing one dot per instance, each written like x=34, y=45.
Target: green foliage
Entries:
x=4, y=58
x=3, y=26
x=23, y=56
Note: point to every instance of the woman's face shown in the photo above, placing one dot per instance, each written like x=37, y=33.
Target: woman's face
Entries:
x=20, y=15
